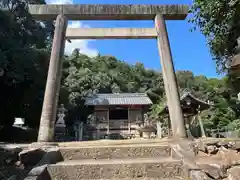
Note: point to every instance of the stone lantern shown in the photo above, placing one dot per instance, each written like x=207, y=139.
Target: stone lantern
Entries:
x=60, y=126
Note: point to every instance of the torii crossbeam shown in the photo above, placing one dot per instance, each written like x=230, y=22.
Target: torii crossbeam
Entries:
x=109, y=11
x=63, y=13
x=111, y=33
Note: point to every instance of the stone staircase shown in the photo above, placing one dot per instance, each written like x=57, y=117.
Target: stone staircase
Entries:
x=150, y=161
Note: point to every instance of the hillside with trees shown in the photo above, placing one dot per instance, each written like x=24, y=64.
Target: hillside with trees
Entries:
x=105, y=74
x=218, y=21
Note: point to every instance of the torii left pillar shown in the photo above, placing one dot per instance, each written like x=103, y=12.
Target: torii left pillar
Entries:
x=49, y=109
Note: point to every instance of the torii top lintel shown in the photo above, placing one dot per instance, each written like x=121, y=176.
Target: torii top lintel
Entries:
x=109, y=11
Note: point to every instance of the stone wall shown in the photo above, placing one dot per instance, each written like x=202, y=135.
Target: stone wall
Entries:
x=209, y=159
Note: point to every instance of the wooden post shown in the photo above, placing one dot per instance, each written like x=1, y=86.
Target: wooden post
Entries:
x=187, y=125
x=201, y=124
x=108, y=127
x=169, y=78
x=169, y=126
x=159, y=129
x=129, y=121
x=48, y=116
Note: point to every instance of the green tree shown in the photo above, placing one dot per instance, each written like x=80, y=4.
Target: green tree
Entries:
x=24, y=55
x=84, y=76
x=219, y=21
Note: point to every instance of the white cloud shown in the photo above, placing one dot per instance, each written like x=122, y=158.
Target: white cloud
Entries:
x=59, y=1
x=83, y=45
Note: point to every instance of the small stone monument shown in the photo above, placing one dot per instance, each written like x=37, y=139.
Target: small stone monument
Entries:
x=139, y=123
x=147, y=130
x=78, y=130
x=60, y=126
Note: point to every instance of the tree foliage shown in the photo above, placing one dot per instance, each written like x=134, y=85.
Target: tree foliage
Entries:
x=218, y=20
x=105, y=74
x=24, y=55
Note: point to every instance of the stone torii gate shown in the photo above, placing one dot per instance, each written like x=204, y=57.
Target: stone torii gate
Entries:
x=63, y=13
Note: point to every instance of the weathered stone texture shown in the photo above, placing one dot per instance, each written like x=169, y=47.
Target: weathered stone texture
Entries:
x=31, y=156
x=116, y=169
x=169, y=79
x=218, y=158
x=215, y=170
x=39, y=172
x=234, y=173
x=50, y=102
x=111, y=33
x=198, y=175
x=114, y=152
x=109, y=12
x=10, y=166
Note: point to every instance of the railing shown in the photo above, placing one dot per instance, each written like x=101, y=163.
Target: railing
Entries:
x=118, y=123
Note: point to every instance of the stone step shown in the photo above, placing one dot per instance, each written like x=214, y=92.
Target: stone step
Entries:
x=116, y=151
x=116, y=169
x=108, y=142
x=176, y=178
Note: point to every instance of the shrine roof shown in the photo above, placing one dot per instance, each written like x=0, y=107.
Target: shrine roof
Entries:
x=195, y=99
x=118, y=99
x=186, y=95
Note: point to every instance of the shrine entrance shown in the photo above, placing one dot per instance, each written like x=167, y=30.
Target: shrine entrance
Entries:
x=63, y=13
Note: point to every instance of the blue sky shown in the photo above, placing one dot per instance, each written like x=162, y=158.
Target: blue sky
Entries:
x=189, y=49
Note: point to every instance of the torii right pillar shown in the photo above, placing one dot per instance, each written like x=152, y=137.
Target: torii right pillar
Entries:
x=169, y=78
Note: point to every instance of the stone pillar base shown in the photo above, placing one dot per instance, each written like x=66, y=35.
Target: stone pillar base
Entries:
x=60, y=134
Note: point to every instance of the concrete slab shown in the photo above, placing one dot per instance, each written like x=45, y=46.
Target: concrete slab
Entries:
x=111, y=33
x=109, y=11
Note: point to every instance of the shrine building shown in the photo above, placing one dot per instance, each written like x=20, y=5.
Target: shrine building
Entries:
x=119, y=113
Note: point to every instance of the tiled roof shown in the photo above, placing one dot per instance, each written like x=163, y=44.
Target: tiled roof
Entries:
x=118, y=99
x=188, y=94
x=185, y=94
